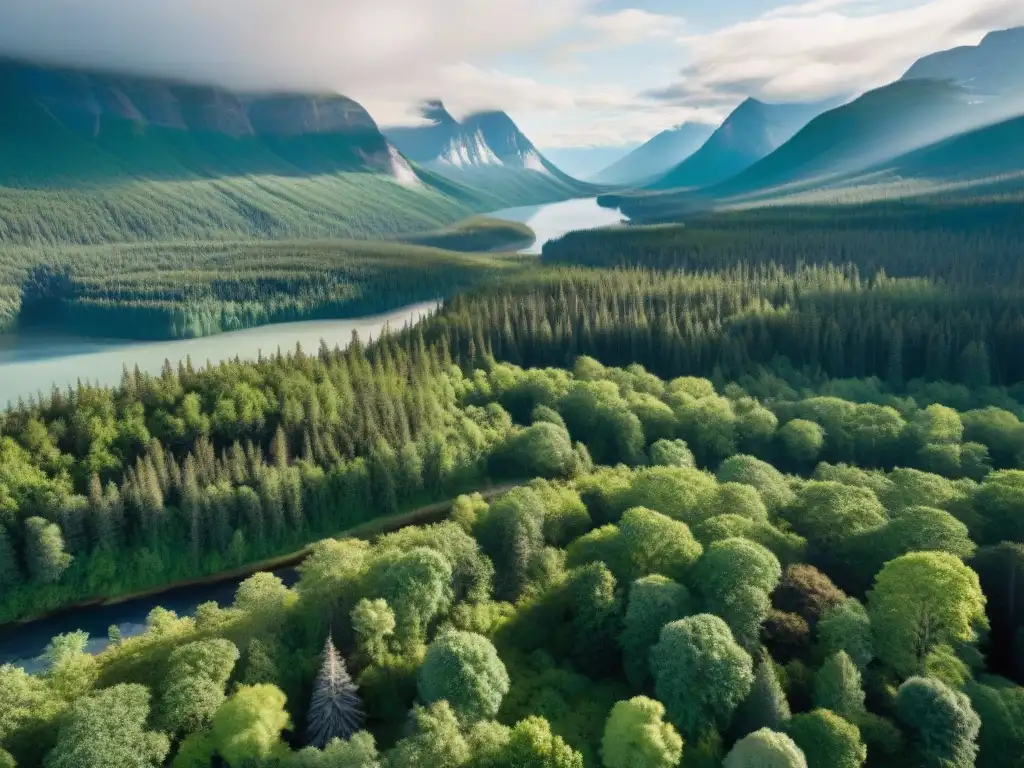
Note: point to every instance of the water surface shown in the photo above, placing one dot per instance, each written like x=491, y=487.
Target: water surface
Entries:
x=550, y=222
x=33, y=362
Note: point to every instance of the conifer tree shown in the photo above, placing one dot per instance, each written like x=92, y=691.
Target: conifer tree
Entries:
x=335, y=709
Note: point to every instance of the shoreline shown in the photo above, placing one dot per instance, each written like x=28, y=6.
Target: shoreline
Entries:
x=381, y=525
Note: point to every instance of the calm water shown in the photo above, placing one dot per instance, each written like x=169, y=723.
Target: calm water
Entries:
x=550, y=222
x=33, y=363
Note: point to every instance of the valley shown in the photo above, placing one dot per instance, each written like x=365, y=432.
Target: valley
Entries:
x=358, y=434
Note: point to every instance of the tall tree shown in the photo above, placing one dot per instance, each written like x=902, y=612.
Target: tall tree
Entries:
x=44, y=550
x=335, y=709
x=922, y=600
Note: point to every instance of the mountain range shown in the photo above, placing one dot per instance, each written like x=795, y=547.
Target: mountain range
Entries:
x=90, y=157
x=952, y=119
x=485, y=151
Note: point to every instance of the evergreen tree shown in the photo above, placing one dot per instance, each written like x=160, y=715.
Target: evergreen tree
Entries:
x=335, y=709
x=765, y=705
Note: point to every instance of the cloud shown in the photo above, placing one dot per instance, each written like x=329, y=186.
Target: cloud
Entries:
x=825, y=48
x=255, y=44
x=631, y=25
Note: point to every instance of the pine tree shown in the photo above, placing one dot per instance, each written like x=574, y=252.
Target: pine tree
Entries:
x=335, y=709
x=765, y=705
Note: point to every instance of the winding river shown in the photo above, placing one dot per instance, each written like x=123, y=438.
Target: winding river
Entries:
x=32, y=363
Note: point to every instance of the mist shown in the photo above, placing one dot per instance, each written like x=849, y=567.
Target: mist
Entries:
x=387, y=46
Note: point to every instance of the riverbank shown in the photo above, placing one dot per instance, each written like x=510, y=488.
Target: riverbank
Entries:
x=128, y=611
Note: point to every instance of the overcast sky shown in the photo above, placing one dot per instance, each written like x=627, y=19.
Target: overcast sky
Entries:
x=570, y=72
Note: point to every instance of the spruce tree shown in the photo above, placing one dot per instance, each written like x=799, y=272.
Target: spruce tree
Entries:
x=335, y=709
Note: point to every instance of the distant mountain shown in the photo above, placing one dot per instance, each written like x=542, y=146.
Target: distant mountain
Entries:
x=752, y=131
x=94, y=157
x=586, y=162
x=486, y=151
x=995, y=65
x=89, y=157
x=657, y=156
x=880, y=125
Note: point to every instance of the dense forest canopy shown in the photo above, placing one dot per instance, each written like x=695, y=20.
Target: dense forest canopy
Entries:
x=759, y=512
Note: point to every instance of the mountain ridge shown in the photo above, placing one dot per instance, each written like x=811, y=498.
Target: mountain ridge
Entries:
x=750, y=132
x=657, y=155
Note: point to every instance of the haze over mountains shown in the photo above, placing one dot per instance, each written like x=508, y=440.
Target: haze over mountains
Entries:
x=657, y=156
x=952, y=119
x=753, y=130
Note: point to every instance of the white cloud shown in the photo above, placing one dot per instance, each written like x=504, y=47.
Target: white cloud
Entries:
x=828, y=47
x=329, y=44
x=631, y=25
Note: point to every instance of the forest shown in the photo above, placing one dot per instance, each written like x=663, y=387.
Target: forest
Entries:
x=764, y=513
x=176, y=291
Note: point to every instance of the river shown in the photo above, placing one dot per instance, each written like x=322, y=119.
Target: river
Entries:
x=550, y=222
x=31, y=363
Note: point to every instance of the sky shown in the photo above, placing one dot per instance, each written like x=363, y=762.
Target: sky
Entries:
x=572, y=73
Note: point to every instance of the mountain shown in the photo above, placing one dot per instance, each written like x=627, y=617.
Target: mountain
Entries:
x=993, y=151
x=879, y=125
x=752, y=131
x=94, y=157
x=485, y=151
x=995, y=65
x=586, y=162
x=657, y=156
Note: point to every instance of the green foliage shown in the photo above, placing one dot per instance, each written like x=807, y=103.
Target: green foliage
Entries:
x=464, y=669
x=682, y=493
x=531, y=744
x=847, y=627
x=416, y=584
x=671, y=453
x=700, y=674
x=373, y=623
x=654, y=601
x=940, y=721
x=197, y=673
x=655, y=543
x=435, y=741
x=735, y=577
x=511, y=533
x=109, y=728
x=44, y=550
x=765, y=749
x=922, y=600
x=565, y=515
x=765, y=705
x=767, y=480
x=827, y=740
x=803, y=440
x=837, y=687
x=247, y=727
x=636, y=736
x=358, y=752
